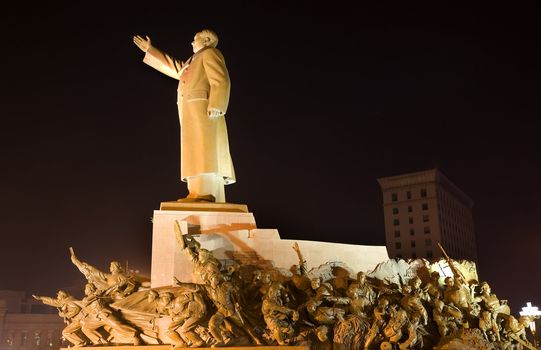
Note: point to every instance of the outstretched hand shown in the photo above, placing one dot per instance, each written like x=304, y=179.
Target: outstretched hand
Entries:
x=215, y=113
x=142, y=43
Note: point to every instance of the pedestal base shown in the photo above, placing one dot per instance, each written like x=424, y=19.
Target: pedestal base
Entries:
x=169, y=347
x=234, y=237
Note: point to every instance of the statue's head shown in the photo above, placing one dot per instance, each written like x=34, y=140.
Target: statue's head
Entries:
x=449, y=281
x=61, y=294
x=256, y=276
x=485, y=287
x=415, y=282
x=274, y=291
x=115, y=267
x=204, y=255
x=361, y=277
x=321, y=333
x=215, y=279
x=315, y=283
x=166, y=297
x=152, y=295
x=266, y=278
x=485, y=315
x=295, y=269
x=435, y=275
x=89, y=289
x=203, y=39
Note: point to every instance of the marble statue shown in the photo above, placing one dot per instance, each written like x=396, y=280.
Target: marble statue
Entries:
x=203, y=98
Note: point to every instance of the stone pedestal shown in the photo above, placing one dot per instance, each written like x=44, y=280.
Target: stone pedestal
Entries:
x=168, y=347
x=230, y=232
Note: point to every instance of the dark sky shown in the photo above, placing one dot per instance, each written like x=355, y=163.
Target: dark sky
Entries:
x=325, y=99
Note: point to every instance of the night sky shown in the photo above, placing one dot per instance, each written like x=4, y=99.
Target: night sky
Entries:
x=325, y=99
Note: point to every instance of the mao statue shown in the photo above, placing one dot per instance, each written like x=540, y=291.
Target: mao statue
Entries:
x=203, y=97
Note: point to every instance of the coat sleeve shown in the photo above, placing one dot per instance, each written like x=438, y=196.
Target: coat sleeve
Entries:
x=218, y=78
x=163, y=62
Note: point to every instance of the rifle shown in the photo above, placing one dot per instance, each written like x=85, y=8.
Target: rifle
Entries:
x=302, y=262
x=187, y=240
x=455, y=271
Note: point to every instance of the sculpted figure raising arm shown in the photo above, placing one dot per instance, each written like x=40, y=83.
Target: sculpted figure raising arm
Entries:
x=203, y=98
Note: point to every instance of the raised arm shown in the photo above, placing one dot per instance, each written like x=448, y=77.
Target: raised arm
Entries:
x=48, y=300
x=157, y=59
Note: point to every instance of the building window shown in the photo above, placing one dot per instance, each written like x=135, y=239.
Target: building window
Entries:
x=410, y=208
x=397, y=233
x=37, y=338
x=410, y=220
x=396, y=222
x=428, y=241
x=395, y=211
x=425, y=218
x=9, y=339
x=24, y=338
x=413, y=244
x=423, y=192
x=398, y=245
x=425, y=206
x=412, y=232
x=408, y=195
x=426, y=230
x=429, y=254
x=394, y=197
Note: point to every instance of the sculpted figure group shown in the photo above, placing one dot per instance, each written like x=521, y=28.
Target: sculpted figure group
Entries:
x=242, y=305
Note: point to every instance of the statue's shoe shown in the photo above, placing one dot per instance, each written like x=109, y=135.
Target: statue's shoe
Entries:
x=198, y=199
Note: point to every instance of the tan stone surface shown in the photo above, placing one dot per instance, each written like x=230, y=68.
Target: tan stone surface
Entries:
x=168, y=347
x=234, y=236
x=167, y=260
x=217, y=207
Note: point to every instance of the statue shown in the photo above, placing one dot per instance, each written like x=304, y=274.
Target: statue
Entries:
x=99, y=315
x=225, y=297
x=279, y=318
x=115, y=284
x=362, y=295
x=70, y=311
x=242, y=304
x=203, y=97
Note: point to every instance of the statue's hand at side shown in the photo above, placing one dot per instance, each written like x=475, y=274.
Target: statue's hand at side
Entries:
x=215, y=113
x=37, y=297
x=142, y=43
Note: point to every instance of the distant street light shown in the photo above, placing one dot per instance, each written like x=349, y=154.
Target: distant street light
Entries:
x=534, y=313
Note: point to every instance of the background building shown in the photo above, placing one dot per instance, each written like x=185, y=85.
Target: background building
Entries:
x=422, y=209
x=26, y=324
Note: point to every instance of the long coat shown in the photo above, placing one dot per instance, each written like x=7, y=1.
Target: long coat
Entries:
x=203, y=84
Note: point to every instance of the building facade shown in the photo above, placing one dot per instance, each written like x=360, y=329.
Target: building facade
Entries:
x=26, y=324
x=423, y=209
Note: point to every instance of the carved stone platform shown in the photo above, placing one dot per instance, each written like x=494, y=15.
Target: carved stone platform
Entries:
x=218, y=207
x=168, y=347
x=234, y=236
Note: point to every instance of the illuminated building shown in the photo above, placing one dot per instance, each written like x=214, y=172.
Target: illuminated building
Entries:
x=424, y=208
x=27, y=324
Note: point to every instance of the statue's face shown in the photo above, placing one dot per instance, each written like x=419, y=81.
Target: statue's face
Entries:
x=61, y=294
x=89, y=289
x=321, y=334
x=114, y=267
x=198, y=42
x=316, y=283
x=151, y=297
